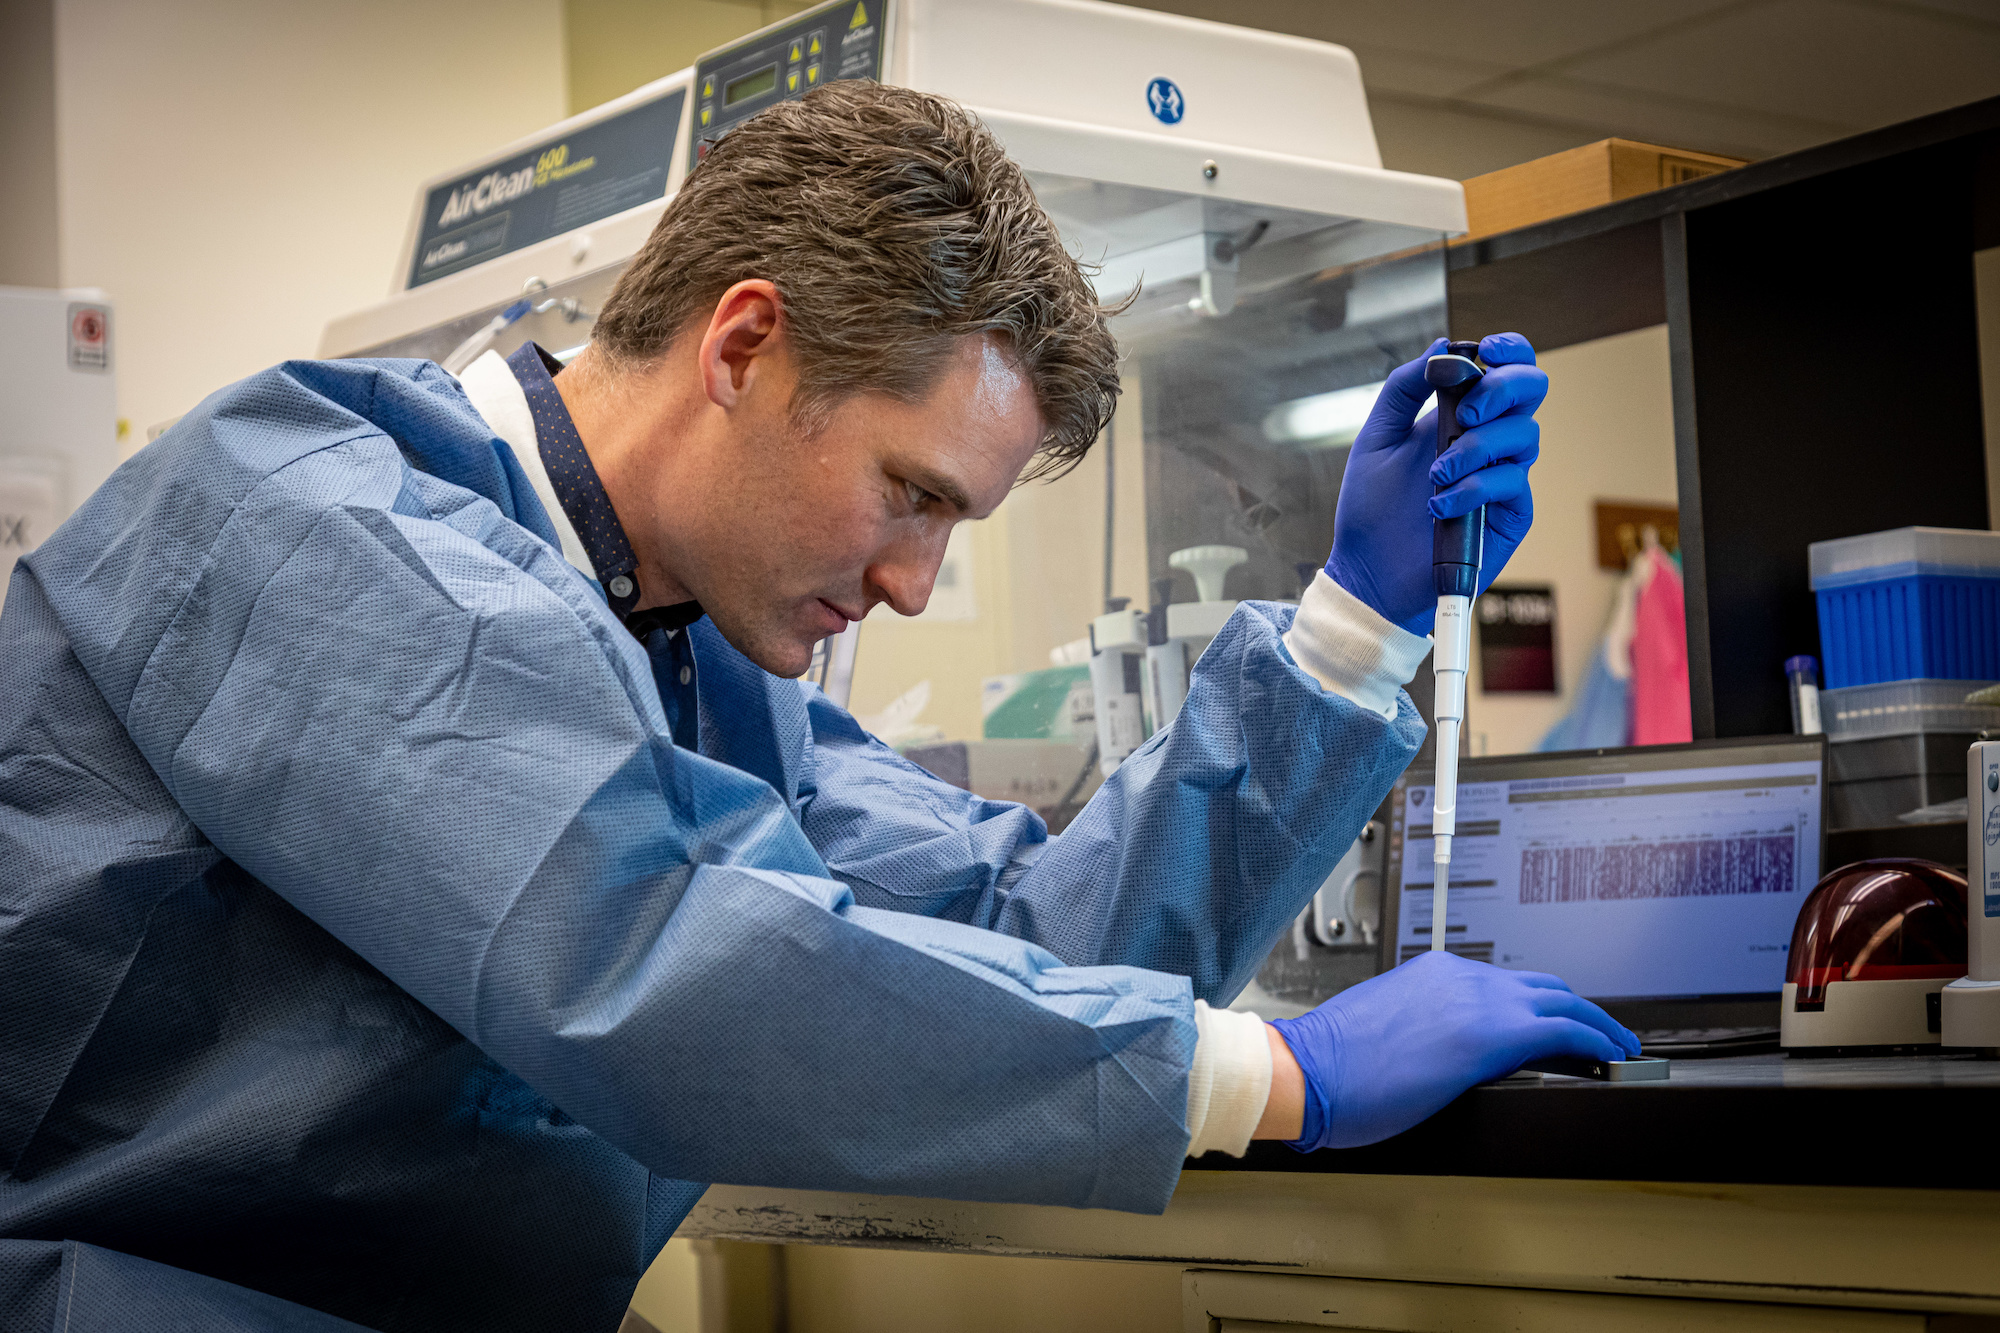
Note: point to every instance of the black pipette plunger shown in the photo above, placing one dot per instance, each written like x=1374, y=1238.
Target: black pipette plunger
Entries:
x=1456, y=543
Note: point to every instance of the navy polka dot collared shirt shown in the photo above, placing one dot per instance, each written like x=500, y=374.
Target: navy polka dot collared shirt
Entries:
x=584, y=502
x=575, y=479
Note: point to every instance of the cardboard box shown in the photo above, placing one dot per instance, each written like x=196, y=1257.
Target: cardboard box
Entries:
x=1054, y=703
x=1581, y=178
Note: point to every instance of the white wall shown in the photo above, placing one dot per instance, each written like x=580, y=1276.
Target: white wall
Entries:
x=1607, y=434
x=234, y=173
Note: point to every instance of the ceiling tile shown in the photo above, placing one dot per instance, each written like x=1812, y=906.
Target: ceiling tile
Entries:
x=1827, y=60
x=1439, y=140
x=1979, y=11
x=1632, y=115
x=1391, y=70
x=1526, y=32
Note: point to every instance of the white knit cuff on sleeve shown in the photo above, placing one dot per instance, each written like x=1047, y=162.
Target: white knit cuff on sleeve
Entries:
x=1346, y=645
x=1229, y=1082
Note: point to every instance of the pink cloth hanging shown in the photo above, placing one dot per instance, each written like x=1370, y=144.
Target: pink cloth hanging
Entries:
x=1660, y=658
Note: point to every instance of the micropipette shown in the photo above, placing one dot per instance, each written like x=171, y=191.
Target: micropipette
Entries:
x=1456, y=545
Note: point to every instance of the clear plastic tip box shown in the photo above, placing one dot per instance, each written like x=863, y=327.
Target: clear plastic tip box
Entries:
x=1909, y=603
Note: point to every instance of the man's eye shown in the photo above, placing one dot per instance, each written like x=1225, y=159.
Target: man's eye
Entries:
x=919, y=497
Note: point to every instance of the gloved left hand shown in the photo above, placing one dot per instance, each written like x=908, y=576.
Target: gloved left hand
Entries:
x=1382, y=526
x=1383, y=1055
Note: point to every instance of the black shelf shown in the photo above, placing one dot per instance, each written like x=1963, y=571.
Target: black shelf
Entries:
x=1822, y=329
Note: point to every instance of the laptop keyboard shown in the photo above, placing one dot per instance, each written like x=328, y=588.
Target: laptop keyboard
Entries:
x=1720, y=1041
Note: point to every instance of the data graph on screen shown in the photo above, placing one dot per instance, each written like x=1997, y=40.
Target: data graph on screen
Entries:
x=1677, y=875
x=1684, y=869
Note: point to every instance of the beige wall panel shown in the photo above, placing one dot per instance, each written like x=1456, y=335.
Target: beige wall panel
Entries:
x=1607, y=434
x=236, y=173
x=616, y=45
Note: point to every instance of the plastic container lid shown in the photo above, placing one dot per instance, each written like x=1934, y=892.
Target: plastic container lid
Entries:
x=1899, y=552
x=1808, y=666
x=1886, y=920
x=1897, y=707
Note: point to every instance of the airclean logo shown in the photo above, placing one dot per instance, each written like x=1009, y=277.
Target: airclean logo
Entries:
x=490, y=190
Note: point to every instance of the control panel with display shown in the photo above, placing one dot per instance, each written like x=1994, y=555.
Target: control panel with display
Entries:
x=842, y=39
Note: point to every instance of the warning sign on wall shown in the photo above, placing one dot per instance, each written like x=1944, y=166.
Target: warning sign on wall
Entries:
x=89, y=337
x=1517, y=639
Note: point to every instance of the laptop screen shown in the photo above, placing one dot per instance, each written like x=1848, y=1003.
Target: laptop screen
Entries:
x=1655, y=873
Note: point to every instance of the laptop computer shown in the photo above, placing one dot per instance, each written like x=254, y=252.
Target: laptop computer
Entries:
x=1660, y=881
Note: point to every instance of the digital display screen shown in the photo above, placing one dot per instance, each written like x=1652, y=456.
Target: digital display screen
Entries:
x=754, y=84
x=1680, y=879
x=841, y=39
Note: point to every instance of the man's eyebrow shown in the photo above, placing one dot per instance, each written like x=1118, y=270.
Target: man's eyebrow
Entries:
x=943, y=487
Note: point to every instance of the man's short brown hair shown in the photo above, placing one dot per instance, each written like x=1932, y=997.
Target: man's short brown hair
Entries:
x=893, y=224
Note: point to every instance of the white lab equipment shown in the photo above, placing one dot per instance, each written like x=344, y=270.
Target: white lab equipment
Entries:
x=1169, y=665
x=1207, y=160
x=1117, y=665
x=1347, y=909
x=526, y=242
x=1188, y=628
x=1969, y=1009
x=60, y=437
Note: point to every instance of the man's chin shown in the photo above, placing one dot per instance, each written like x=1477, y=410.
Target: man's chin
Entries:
x=789, y=661
x=778, y=656
x=778, y=651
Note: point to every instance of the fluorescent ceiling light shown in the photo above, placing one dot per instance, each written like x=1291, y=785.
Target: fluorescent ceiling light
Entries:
x=1325, y=420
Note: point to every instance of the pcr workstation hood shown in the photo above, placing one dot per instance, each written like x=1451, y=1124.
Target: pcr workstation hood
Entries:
x=1231, y=176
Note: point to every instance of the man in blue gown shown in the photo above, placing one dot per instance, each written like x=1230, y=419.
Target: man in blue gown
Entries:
x=419, y=869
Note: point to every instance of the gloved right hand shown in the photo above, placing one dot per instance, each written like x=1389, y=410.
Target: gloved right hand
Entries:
x=1382, y=1056
x=1382, y=523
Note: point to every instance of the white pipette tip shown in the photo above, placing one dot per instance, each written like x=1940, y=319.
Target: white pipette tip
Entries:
x=1449, y=659
x=1441, y=887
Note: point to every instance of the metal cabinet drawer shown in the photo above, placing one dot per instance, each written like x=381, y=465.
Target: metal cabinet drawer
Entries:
x=1237, y=1302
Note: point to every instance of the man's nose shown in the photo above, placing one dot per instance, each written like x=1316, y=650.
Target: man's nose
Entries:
x=904, y=574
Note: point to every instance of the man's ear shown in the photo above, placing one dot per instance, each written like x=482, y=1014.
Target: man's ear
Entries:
x=746, y=330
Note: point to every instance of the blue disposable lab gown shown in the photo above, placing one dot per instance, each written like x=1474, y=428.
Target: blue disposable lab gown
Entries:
x=366, y=940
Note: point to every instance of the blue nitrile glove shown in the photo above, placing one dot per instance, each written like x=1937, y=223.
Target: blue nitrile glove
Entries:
x=1384, y=1055
x=1382, y=526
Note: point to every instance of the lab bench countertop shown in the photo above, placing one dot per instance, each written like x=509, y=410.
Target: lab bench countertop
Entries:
x=1829, y=1183
x=1776, y=1119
